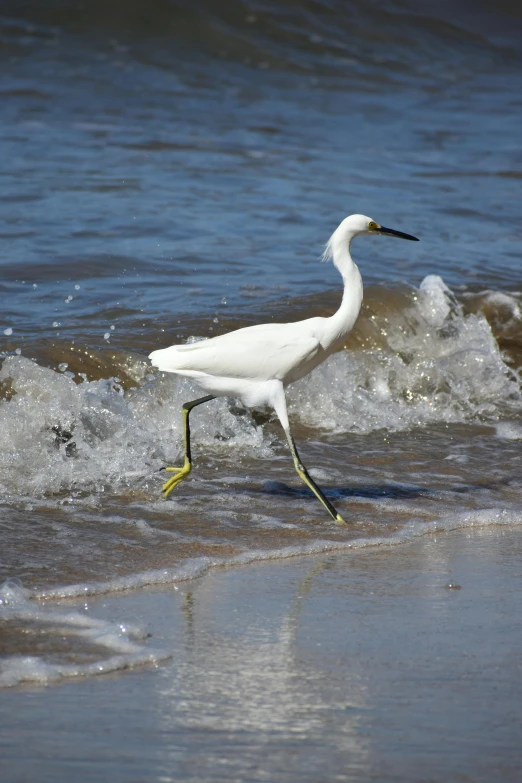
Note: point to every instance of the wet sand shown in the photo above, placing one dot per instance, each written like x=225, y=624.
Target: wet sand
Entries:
x=394, y=664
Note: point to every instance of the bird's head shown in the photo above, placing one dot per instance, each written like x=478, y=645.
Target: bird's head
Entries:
x=355, y=225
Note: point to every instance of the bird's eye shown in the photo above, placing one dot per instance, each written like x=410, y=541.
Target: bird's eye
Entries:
x=372, y=225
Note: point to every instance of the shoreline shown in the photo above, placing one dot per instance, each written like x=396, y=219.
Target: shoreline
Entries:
x=389, y=663
x=199, y=566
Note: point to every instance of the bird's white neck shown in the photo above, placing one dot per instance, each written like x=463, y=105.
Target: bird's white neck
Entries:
x=341, y=323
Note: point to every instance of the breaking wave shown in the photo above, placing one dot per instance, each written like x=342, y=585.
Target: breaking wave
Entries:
x=415, y=359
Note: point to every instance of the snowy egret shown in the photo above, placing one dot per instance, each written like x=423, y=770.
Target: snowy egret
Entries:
x=256, y=363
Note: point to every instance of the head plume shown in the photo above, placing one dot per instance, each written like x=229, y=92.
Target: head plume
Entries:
x=351, y=226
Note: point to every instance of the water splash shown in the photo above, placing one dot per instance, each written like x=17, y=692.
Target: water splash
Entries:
x=435, y=365
x=56, y=434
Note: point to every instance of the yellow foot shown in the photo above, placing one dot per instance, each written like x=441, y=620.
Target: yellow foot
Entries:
x=173, y=482
x=340, y=520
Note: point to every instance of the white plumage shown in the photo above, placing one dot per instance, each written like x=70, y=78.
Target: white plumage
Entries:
x=257, y=362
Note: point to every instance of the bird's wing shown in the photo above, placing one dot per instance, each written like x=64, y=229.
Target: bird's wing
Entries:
x=258, y=353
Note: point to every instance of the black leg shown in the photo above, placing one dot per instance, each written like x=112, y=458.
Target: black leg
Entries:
x=183, y=472
x=305, y=476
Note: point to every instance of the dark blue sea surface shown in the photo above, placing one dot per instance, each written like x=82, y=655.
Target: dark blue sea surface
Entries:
x=164, y=156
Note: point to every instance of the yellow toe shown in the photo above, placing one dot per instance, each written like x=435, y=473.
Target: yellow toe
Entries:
x=173, y=482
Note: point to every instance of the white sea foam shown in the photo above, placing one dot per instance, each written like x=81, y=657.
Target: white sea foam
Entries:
x=56, y=434
x=198, y=566
x=124, y=645
x=509, y=430
x=437, y=365
x=443, y=367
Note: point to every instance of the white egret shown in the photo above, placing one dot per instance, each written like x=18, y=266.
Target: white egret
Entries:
x=256, y=363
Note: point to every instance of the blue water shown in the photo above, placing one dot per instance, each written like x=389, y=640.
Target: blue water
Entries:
x=166, y=168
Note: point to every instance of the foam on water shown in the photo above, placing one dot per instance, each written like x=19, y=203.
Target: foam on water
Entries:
x=108, y=646
x=69, y=643
x=198, y=566
x=509, y=430
x=79, y=466
x=58, y=435
x=442, y=366
x=436, y=365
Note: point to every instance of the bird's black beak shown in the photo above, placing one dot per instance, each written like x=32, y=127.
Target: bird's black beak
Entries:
x=393, y=233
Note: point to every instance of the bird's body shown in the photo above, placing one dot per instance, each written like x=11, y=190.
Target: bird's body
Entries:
x=256, y=363
x=244, y=363
x=262, y=353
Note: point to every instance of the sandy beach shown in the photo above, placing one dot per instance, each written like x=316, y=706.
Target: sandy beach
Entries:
x=389, y=664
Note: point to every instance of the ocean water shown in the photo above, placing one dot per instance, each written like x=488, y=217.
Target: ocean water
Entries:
x=172, y=171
